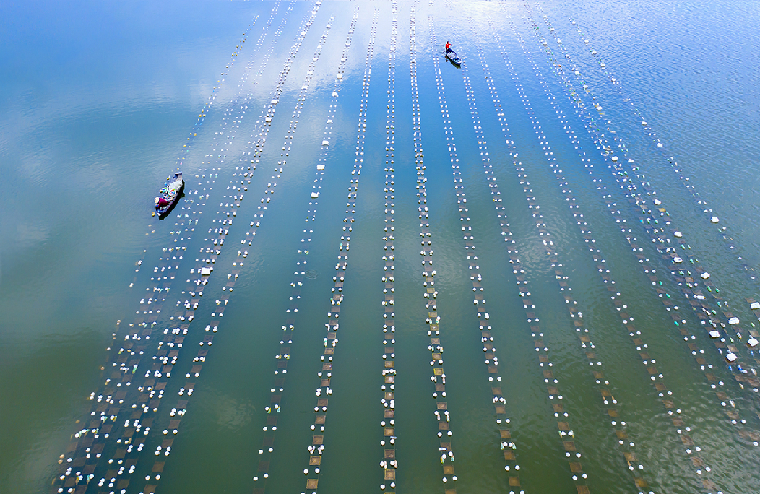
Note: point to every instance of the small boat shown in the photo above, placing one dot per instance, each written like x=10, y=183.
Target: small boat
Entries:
x=169, y=195
x=453, y=58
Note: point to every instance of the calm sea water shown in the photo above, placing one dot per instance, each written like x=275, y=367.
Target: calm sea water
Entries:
x=103, y=100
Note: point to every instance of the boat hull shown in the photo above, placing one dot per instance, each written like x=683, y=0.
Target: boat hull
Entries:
x=163, y=211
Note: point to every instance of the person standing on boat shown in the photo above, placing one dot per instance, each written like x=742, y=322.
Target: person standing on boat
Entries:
x=448, y=47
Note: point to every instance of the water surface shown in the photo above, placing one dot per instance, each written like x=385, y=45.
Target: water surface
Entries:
x=103, y=315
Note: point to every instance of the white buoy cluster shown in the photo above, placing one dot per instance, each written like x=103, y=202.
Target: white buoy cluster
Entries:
x=264, y=124
x=740, y=372
x=330, y=341
x=667, y=155
x=702, y=204
x=689, y=338
x=664, y=394
x=105, y=438
x=203, y=270
x=126, y=409
x=503, y=433
x=215, y=90
x=165, y=356
x=605, y=388
x=388, y=461
x=241, y=85
x=234, y=115
x=565, y=431
x=277, y=33
x=282, y=358
x=438, y=376
x=689, y=285
x=219, y=229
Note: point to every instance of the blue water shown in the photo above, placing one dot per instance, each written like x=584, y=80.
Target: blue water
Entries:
x=104, y=100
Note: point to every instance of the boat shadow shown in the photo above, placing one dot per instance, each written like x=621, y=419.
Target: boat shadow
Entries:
x=453, y=63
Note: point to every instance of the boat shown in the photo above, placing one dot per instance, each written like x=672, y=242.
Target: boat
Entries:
x=169, y=195
x=453, y=58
